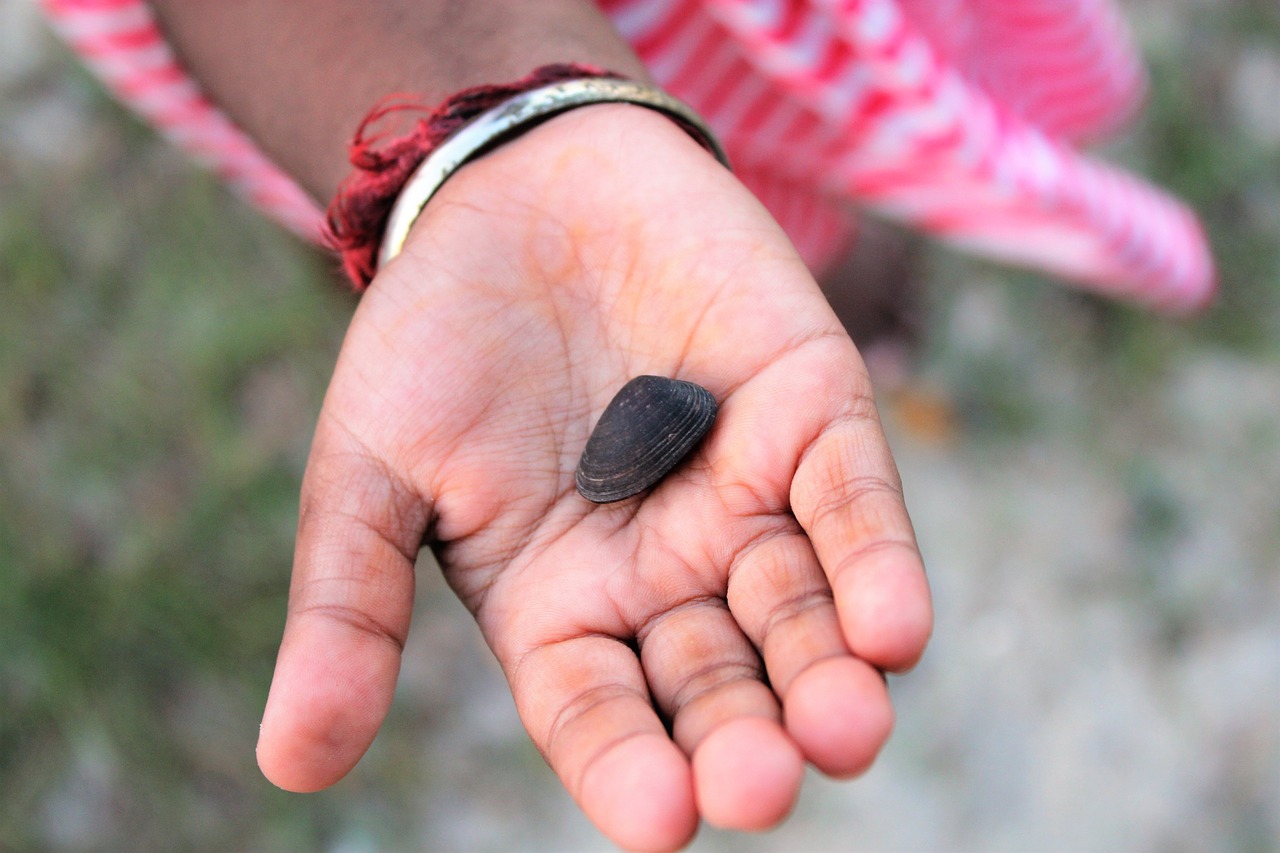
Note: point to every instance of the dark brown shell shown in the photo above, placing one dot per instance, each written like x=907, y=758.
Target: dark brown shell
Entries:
x=645, y=431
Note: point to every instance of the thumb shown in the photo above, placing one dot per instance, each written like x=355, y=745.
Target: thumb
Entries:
x=350, y=602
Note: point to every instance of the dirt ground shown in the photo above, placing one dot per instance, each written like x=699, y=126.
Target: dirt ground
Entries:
x=1097, y=492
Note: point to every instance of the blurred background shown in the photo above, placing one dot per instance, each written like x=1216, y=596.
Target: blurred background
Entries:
x=1097, y=492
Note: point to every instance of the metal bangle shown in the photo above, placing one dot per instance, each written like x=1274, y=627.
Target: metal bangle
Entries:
x=513, y=115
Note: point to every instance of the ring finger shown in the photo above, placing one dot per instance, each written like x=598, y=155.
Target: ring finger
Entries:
x=707, y=680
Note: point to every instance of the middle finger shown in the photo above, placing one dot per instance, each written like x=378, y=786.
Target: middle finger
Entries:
x=836, y=705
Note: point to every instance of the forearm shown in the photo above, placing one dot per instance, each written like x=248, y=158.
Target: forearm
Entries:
x=299, y=76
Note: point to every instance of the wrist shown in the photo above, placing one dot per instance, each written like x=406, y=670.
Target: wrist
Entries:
x=579, y=199
x=395, y=178
x=510, y=117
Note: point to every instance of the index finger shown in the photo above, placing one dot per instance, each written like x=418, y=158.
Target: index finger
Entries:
x=847, y=495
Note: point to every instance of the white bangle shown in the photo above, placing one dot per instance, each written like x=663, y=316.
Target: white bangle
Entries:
x=516, y=114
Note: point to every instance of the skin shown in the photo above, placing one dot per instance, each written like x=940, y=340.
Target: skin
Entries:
x=299, y=76
x=677, y=656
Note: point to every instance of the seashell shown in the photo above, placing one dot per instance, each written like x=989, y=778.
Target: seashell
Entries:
x=644, y=432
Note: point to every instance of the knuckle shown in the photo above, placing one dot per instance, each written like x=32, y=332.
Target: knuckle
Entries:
x=844, y=473
x=346, y=491
x=795, y=607
x=580, y=708
x=354, y=619
x=706, y=681
x=846, y=494
x=874, y=548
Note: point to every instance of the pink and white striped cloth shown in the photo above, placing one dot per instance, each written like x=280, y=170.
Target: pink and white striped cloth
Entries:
x=958, y=117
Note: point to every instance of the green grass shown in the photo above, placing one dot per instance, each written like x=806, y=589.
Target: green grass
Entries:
x=162, y=352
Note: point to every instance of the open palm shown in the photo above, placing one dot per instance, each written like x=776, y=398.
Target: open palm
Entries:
x=677, y=654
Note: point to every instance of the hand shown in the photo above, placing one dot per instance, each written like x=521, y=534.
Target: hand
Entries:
x=676, y=655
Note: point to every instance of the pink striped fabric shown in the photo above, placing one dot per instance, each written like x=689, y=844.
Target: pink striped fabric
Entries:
x=957, y=117
x=120, y=42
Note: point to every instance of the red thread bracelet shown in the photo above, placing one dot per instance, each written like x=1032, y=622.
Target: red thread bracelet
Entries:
x=358, y=213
